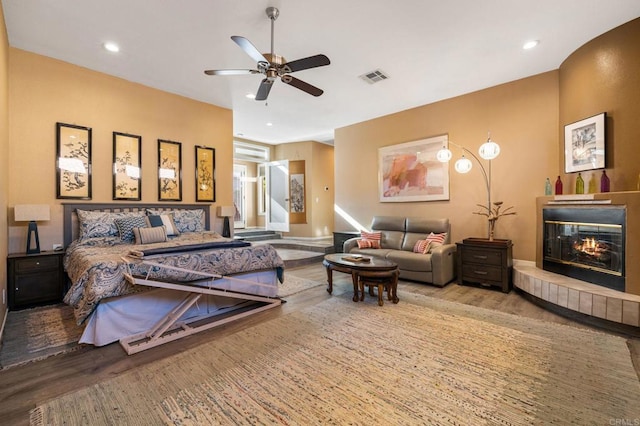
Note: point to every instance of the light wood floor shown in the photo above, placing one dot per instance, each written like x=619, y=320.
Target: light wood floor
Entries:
x=22, y=388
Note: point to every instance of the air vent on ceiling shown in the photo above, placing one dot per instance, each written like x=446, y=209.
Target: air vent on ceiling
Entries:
x=374, y=76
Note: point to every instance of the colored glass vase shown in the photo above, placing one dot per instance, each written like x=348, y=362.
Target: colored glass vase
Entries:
x=558, y=186
x=579, y=184
x=605, y=183
x=547, y=187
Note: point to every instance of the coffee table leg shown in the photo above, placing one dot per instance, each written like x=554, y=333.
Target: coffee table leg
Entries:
x=354, y=278
x=394, y=287
x=380, y=293
x=329, y=278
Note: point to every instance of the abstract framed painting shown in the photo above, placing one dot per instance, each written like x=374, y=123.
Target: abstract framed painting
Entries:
x=205, y=174
x=169, y=170
x=411, y=172
x=127, y=167
x=73, y=161
x=584, y=144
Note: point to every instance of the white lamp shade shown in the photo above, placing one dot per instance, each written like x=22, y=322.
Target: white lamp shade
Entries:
x=463, y=165
x=489, y=150
x=226, y=211
x=444, y=155
x=29, y=212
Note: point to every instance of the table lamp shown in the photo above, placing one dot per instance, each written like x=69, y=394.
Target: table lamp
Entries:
x=226, y=212
x=32, y=213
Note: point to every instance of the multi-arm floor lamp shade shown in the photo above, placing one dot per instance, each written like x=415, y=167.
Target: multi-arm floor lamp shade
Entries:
x=226, y=212
x=32, y=213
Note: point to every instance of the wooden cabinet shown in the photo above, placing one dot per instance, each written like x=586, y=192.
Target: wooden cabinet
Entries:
x=485, y=262
x=35, y=279
x=340, y=237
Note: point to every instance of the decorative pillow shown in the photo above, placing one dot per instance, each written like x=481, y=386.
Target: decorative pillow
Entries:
x=166, y=220
x=93, y=224
x=126, y=224
x=436, y=239
x=373, y=244
x=157, y=234
x=377, y=236
x=185, y=220
x=422, y=246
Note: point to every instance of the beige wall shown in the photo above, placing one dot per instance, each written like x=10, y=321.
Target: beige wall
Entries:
x=4, y=161
x=318, y=175
x=43, y=91
x=604, y=76
x=522, y=117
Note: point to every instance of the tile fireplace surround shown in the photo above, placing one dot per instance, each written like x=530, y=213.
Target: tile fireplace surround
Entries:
x=580, y=296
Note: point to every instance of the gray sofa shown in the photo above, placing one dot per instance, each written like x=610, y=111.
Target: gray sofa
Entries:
x=399, y=235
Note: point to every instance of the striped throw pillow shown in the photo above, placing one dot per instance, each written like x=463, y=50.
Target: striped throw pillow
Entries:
x=436, y=239
x=166, y=220
x=370, y=239
x=422, y=246
x=156, y=234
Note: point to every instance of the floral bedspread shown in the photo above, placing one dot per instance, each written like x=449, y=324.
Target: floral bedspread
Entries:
x=96, y=267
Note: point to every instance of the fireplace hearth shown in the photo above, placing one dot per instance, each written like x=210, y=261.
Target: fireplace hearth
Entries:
x=586, y=243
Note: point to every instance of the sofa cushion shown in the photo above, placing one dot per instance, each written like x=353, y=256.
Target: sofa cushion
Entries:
x=392, y=229
x=364, y=243
x=436, y=239
x=377, y=253
x=409, y=261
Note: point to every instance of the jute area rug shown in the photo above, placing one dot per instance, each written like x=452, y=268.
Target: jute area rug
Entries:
x=36, y=334
x=420, y=362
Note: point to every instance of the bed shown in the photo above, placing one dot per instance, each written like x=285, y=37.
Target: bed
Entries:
x=128, y=283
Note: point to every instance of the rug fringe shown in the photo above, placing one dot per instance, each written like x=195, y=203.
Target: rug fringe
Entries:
x=36, y=417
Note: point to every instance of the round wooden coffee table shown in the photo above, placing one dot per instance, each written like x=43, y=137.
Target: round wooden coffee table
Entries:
x=383, y=272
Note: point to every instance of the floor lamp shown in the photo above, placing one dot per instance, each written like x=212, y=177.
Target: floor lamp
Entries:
x=226, y=212
x=32, y=213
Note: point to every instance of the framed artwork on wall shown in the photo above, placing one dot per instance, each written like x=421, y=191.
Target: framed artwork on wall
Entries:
x=411, y=172
x=205, y=174
x=73, y=161
x=169, y=170
x=584, y=144
x=127, y=167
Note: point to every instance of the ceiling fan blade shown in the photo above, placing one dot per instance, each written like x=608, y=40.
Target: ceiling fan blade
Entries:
x=306, y=63
x=302, y=85
x=264, y=89
x=249, y=49
x=231, y=72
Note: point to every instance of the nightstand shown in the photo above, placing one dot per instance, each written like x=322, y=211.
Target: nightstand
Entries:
x=340, y=237
x=35, y=279
x=489, y=263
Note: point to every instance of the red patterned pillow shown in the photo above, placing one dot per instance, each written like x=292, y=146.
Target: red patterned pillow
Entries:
x=364, y=243
x=376, y=236
x=436, y=239
x=422, y=246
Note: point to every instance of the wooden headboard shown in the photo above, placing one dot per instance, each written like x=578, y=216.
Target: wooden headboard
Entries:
x=70, y=218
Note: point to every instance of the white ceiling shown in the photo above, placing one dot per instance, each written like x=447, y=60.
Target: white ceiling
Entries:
x=430, y=49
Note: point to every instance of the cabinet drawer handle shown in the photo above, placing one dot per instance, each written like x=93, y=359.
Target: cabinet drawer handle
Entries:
x=480, y=272
x=477, y=256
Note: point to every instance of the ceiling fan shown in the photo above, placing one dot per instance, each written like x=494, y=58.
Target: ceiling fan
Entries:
x=274, y=66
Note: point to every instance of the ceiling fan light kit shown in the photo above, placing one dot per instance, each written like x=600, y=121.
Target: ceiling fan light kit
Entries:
x=274, y=66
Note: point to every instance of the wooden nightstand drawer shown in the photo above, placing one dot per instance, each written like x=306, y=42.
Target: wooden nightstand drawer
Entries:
x=487, y=257
x=35, y=279
x=36, y=264
x=481, y=273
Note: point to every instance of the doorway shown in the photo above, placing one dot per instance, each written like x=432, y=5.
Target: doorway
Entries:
x=239, y=196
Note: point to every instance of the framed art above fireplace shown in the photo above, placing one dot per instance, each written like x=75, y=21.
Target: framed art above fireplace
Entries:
x=584, y=144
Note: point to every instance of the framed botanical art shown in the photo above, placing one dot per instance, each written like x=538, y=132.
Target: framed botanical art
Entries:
x=169, y=170
x=73, y=161
x=127, y=167
x=584, y=144
x=205, y=174
x=411, y=172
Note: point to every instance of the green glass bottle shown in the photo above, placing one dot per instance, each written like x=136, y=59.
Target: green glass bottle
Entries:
x=579, y=184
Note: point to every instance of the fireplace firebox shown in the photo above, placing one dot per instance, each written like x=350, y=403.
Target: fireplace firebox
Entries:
x=586, y=243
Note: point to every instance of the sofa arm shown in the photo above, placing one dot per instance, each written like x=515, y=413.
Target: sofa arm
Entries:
x=349, y=244
x=443, y=264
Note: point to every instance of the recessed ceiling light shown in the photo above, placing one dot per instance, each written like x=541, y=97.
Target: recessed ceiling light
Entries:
x=530, y=44
x=269, y=124
x=111, y=46
x=250, y=95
